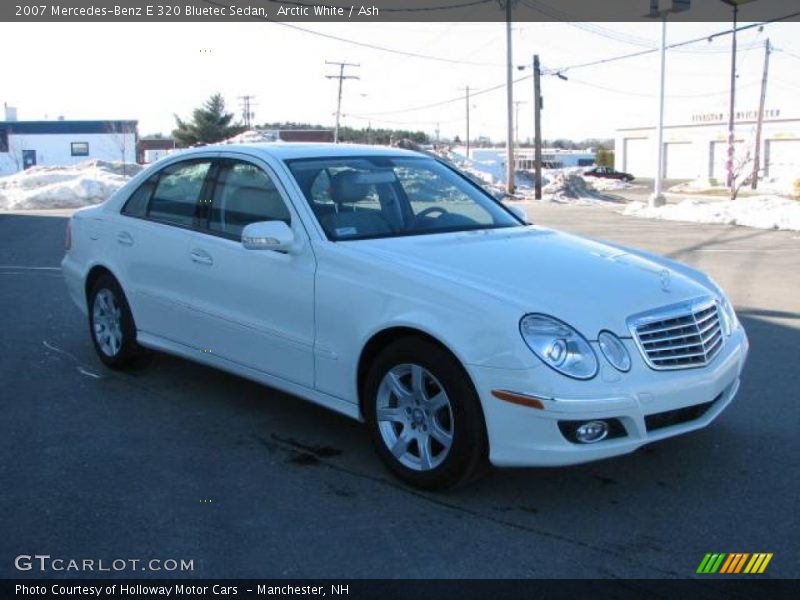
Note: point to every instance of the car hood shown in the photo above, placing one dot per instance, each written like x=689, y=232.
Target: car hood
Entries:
x=589, y=284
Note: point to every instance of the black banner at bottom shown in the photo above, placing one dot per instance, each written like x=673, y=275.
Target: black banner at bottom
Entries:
x=438, y=589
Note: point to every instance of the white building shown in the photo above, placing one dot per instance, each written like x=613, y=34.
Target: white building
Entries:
x=552, y=158
x=24, y=144
x=698, y=149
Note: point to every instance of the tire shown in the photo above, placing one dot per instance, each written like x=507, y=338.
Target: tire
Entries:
x=111, y=324
x=431, y=432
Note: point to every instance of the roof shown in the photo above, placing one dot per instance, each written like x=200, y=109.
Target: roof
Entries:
x=294, y=150
x=43, y=127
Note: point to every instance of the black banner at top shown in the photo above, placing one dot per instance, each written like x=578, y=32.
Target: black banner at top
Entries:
x=299, y=11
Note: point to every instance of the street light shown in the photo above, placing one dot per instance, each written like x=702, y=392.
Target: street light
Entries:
x=657, y=197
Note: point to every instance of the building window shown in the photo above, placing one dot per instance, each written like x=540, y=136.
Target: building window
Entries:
x=80, y=148
x=3, y=140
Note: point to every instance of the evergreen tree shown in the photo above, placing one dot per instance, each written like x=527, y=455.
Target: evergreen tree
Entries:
x=210, y=124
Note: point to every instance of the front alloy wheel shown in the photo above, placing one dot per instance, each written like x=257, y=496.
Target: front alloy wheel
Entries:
x=424, y=415
x=415, y=417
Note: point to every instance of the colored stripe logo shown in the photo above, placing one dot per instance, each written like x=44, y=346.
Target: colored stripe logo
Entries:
x=737, y=562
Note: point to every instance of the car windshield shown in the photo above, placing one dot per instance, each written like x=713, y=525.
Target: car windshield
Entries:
x=378, y=196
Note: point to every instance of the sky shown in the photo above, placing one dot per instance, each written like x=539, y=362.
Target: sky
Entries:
x=149, y=72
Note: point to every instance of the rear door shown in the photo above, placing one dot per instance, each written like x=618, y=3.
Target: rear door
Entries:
x=259, y=303
x=152, y=245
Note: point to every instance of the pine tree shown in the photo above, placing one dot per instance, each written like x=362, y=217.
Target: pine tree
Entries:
x=210, y=124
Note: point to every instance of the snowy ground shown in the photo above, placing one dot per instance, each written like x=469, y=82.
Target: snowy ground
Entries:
x=768, y=186
x=762, y=212
x=84, y=184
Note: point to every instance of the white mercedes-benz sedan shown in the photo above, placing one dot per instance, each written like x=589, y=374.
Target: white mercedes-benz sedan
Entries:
x=383, y=284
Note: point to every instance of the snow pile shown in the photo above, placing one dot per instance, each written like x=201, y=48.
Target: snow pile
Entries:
x=571, y=187
x=762, y=212
x=603, y=184
x=253, y=136
x=83, y=184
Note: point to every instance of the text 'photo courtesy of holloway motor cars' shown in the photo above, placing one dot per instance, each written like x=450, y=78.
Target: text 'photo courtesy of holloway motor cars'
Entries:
x=385, y=285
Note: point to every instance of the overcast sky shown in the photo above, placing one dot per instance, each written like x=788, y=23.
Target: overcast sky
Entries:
x=150, y=71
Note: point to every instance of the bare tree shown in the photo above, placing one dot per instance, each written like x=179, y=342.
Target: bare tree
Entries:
x=742, y=173
x=120, y=133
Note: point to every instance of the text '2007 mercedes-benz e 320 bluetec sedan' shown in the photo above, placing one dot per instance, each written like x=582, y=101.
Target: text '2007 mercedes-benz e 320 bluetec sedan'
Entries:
x=384, y=284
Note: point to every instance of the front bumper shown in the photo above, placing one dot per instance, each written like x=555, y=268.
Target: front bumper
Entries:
x=526, y=436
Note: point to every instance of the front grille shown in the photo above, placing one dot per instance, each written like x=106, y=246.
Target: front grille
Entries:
x=678, y=415
x=679, y=337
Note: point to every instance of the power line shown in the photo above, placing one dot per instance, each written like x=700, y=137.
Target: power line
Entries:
x=364, y=44
x=451, y=100
x=646, y=95
x=786, y=52
x=677, y=44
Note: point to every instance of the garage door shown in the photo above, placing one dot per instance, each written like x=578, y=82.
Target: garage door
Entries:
x=718, y=167
x=636, y=157
x=678, y=161
x=783, y=159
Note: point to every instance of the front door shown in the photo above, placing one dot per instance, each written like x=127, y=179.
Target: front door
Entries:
x=259, y=303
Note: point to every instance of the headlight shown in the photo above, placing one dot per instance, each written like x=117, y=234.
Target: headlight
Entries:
x=559, y=346
x=615, y=351
x=727, y=317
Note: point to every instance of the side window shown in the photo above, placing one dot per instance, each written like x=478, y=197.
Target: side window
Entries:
x=175, y=197
x=136, y=205
x=244, y=194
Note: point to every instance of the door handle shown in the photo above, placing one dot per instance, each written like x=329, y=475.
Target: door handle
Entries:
x=202, y=257
x=125, y=238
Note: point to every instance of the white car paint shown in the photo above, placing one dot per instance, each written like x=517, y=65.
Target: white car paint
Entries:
x=299, y=321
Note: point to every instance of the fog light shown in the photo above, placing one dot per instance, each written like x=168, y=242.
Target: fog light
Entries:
x=591, y=432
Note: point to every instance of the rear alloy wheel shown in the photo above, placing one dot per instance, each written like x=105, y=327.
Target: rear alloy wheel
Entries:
x=111, y=323
x=424, y=414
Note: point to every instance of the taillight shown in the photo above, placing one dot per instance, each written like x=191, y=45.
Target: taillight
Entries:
x=68, y=236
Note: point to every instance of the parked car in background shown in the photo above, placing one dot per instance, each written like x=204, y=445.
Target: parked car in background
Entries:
x=386, y=285
x=608, y=173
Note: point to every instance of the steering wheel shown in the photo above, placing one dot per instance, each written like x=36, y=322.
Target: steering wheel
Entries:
x=430, y=210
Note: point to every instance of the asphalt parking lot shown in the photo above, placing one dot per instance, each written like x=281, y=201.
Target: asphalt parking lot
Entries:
x=178, y=461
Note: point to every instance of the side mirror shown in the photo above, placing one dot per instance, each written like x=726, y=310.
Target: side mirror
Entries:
x=519, y=213
x=268, y=235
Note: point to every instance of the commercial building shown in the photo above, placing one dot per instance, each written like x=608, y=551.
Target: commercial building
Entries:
x=698, y=148
x=552, y=158
x=24, y=144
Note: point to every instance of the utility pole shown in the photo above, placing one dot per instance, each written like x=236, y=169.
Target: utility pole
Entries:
x=657, y=198
x=757, y=150
x=341, y=77
x=732, y=114
x=537, y=128
x=247, y=112
x=509, y=106
x=467, y=140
